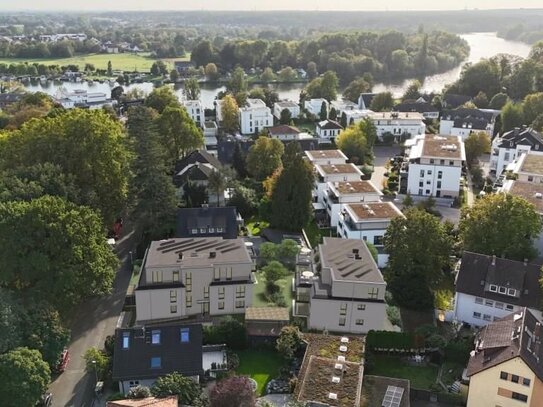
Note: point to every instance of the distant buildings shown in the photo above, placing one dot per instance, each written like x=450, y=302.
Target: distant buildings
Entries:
x=328, y=129
x=510, y=145
x=82, y=98
x=195, y=109
x=289, y=105
x=428, y=111
x=401, y=125
x=254, y=117
x=207, y=222
x=184, y=67
x=285, y=132
x=314, y=106
x=464, y=121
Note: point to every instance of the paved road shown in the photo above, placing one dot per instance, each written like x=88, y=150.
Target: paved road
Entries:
x=382, y=154
x=97, y=318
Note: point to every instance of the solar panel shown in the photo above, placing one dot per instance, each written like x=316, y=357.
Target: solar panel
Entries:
x=393, y=397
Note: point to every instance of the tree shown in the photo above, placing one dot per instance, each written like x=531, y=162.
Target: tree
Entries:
x=195, y=195
x=96, y=361
x=343, y=120
x=117, y=92
x=235, y=391
x=532, y=107
x=353, y=143
x=264, y=157
x=413, y=91
x=289, y=341
x=155, y=70
x=109, y=69
x=512, y=116
x=138, y=392
x=245, y=200
x=237, y=82
x=25, y=377
x=476, y=144
x=211, y=71
x=482, y=231
x=287, y=74
x=370, y=130
x=54, y=250
x=267, y=75
x=238, y=162
x=382, y=102
x=498, y=101
x=180, y=135
x=333, y=114
x=355, y=88
x=324, y=87
x=419, y=250
x=216, y=182
x=160, y=98
x=323, y=115
x=192, y=89
x=176, y=384
x=285, y=116
x=481, y=100
x=10, y=326
x=274, y=271
x=291, y=194
x=230, y=114
x=174, y=75
x=537, y=124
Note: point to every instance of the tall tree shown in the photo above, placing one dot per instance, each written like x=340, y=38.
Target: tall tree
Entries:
x=179, y=134
x=532, y=107
x=192, y=89
x=216, y=182
x=382, y=102
x=267, y=75
x=25, y=377
x=211, y=71
x=343, y=120
x=312, y=72
x=174, y=75
x=498, y=101
x=355, y=88
x=482, y=229
x=160, y=98
x=10, y=325
x=289, y=341
x=237, y=82
x=238, y=162
x=413, y=91
x=353, y=143
x=476, y=144
x=235, y=391
x=109, y=68
x=512, y=116
x=264, y=157
x=285, y=116
x=323, y=115
x=230, y=114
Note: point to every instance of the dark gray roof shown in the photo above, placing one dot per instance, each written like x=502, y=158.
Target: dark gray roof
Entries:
x=330, y=125
x=189, y=219
x=471, y=123
x=523, y=136
x=477, y=272
x=10, y=97
x=367, y=98
x=135, y=362
x=467, y=113
x=197, y=156
x=414, y=106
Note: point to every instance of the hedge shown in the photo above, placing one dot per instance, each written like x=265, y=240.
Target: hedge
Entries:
x=393, y=340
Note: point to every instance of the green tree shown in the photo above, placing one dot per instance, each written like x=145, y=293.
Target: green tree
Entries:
x=174, y=75
x=155, y=70
x=382, y=102
x=54, y=250
x=267, y=75
x=413, y=91
x=498, y=101
x=179, y=134
x=25, y=377
x=512, y=116
x=476, y=144
x=192, y=89
x=264, y=157
x=370, y=130
x=419, y=250
x=537, y=124
x=355, y=88
x=10, y=325
x=289, y=341
x=323, y=87
x=353, y=143
x=285, y=117
x=312, y=72
x=96, y=362
x=245, y=200
x=109, y=69
x=532, y=106
x=274, y=271
x=323, y=115
x=230, y=114
x=160, y=98
x=235, y=391
x=216, y=182
x=238, y=162
x=237, y=82
x=343, y=120
x=287, y=74
x=176, y=384
x=481, y=100
x=211, y=71
x=481, y=230
x=333, y=114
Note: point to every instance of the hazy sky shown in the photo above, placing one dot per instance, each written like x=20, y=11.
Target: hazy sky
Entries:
x=264, y=4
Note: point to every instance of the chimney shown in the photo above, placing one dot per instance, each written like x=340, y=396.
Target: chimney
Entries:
x=180, y=256
x=493, y=259
x=212, y=255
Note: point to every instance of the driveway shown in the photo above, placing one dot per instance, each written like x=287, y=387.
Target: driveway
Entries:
x=382, y=154
x=96, y=319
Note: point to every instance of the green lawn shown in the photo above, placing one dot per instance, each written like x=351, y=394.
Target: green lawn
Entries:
x=315, y=235
x=421, y=377
x=259, y=291
x=255, y=225
x=127, y=62
x=444, y=294
x=261, y=365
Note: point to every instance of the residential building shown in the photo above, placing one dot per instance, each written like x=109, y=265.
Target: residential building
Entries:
x=184, y=68
x=510, y=145
x=196, y=111
x=211, y=131
x=356, y=115
x=196, y=277
x=344, y=291
x=364, y=100
x=289, y=105
x=343, y=105
x=463, y=121
x=82, y=98
x=264, y=324
x=328, y=129
x=428, y=111
x=341, y=193
x=314, y=106
x=505, y=369
x=326, y=157
x=284, y=132
x=143, y=354
x=170, y=401
x=207, y=221
x=435, y=165
x=401, y=125
x=325, y=173
x=368, y=222
x=254, y=117
x=489, y=288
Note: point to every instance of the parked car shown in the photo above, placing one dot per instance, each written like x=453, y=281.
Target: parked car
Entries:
x=63, y=361
x=46, y=400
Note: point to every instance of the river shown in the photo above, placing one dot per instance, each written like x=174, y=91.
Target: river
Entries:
x=482, y=45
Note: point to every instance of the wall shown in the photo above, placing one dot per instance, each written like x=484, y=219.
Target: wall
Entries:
x=450, y=181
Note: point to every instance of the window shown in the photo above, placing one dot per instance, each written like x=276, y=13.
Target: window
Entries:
x=427, y=192
x=378, y=240
x=220, y=230
x=343, y=309
x=155, y=337
x=185, y=335
x=451, y=162
x=373, y=293
x=509, y=307
x=194, y=231
x=361, y=307
x=442, y=162
x=206, y=293
x=203, y=230
x=498, y=305
x=221, y=293
x=477, y=315
x=188, y=300
x=229, y=273
x=126, y=340
x=240, y=291
x=478, y=300
x=421, y=184
x=175, y=276
x=359, y=322
x=173, y=296
x=173, y=309
x=493, y=288
x=221, y=304
x=489, y=303
x=240, y=304
x=188, y=282
x=211, y=230
x=156, y=363
x=512, y=292
x=157, y=276
x=530, y=178
x=526, y=382
x=502, y=290
x=428, y=182
x=487, y=317
x=216, y=274
x=429, y=172
x=431, y=162
x=440, y=174
x=342, y=321
x=422, y=173
x=515, y=378
x=503, y=375
x=519, y=397
x=439, y=184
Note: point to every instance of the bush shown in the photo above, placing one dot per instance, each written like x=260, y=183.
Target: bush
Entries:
x=458, y=351
x=278, y=299
x=233, y=360
x=229, y=331
x=393, y=314
x=138, y=392
x=436, y=341
x=272, y=288
x=393, y=340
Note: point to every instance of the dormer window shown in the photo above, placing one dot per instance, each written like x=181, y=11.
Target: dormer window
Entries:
x=155, y=337
x=493, y=288
x=185, y=337
x=126, y=340
x=503, y=290
x=512, y=292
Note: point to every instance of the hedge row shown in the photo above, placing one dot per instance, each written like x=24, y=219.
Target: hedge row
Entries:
x=393, y=340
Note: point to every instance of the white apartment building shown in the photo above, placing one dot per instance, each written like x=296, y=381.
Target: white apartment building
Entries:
x=343, y=105
x=356, y=115
x=196, y=111
x=435, y=165
x=194, y=277
x=368, y=222
x=325, y=173
x=339, y=194
x=314, y=106
x=511, y=145
x=255, y=116
x=330, y=157
x=328, y=129
x=82, y=98
x=461, y=121
x=345, y=292
x=289, y=105
x=399, y=124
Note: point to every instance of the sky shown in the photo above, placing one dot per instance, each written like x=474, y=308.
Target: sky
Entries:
x=88, y=5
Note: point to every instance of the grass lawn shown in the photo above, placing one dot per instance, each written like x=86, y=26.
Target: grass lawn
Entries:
x=315, y=235
x=421, y=377
x=255, y=226
x=306, y=125
x=260, y=365
x=127, y=62
x=259, y=291
x=444, y=293
x=452, y=371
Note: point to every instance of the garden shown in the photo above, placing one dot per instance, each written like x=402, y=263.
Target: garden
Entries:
x=261, y=365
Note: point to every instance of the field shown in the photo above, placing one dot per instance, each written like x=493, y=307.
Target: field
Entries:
x=126, y=62
x=260, y=365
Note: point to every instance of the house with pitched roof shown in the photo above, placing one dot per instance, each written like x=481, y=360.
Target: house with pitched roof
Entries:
x=511, y=145
x=428, y=111
x=207, y=221
x=328, y=129
x=506, y=367
x=463, y=121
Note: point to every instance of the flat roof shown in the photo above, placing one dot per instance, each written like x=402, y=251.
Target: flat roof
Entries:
x=530, y=191
x=329, y=169
x=267, y=314
x=196, y=252
x=373, y=210
x=397, y=115
x=437, y=146
x=355, y=187
x=324, y=154
x=349, y=260
x=533, y=164
x=286, y=103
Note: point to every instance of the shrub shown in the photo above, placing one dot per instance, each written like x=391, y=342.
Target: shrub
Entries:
x=436, y=341
x=272, y=288
x=278, y=299
x=229, y=331
x=393, y=314
x=458, y=351
x=393, y=340
x=138, y=392
x=233, y=360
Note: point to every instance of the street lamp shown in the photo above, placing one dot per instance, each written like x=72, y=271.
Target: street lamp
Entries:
x=95, y=370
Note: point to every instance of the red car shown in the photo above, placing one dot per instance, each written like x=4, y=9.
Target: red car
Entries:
x=63, y=361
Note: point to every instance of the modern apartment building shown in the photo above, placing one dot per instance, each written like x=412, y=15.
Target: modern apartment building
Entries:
x=194, y=277
x=196, y=111
x=325, y=173
x=402, y=125
x=255, y=116
x=511, y=145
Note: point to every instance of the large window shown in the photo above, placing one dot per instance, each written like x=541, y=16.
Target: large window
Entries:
x=173, y=296
x=217, y=273
x=240, y=304
x=175, y=275
x=221, y=305
x=188, y=300
x=155, y=337
x=378, y=240
x=185, y=335
x=206, y=292
x=221, y=293
x=240, y=291
x=126, y=340
x=342, y=321
x=359, y=322
x=229, y=273
x=343, y=309
x=515, y=378
x=503, y=375
x=156, y=276
x=156, y=363
x=519, y=397
x=173, y=309
x=188, y=282
x=526, y=382
x=373, y=293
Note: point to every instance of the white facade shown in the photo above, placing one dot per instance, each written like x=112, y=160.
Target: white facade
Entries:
x=326, y=157
x=356, y=115
x=435, y=166
x=196, y=111
x=82, y=98
x=343, y=106
x=292, y=107
x=328, y=129
x=398, y=124
x=254, y=117
x=510, y=147
x=313, y=106
x=333, y=173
